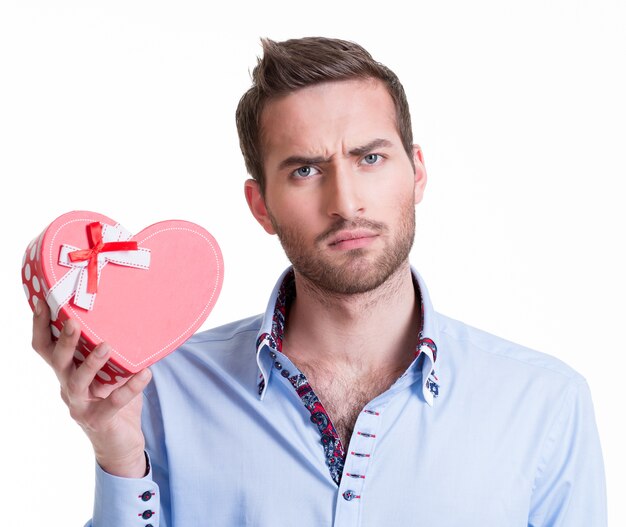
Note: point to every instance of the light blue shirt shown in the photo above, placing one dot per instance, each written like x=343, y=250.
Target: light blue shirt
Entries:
x=489, y=434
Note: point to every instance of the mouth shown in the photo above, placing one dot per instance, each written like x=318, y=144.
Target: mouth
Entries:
x=352, y=239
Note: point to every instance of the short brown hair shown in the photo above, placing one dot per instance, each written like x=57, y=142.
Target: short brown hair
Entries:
x=297, y=63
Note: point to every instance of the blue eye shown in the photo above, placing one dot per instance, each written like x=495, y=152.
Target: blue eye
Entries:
x=371, y=159
x=304, y=172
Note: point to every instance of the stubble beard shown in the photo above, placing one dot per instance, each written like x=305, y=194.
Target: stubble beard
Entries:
x=358, y=272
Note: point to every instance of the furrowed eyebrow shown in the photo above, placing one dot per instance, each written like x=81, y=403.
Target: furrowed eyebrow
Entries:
x=301, y=161
x=357, y=151
x=372, y=145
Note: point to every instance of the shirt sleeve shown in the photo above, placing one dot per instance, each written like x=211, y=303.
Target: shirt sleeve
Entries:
x=569, y=488
x=125, y=502
x=137, y=502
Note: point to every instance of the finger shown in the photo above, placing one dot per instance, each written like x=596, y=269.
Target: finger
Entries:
x=80, y=380
x=102, y=391
x=64, y=396
x=42, y=339
x=63, y=354
x=123, y=395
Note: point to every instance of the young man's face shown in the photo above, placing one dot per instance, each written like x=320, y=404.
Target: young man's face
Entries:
x=340, y=190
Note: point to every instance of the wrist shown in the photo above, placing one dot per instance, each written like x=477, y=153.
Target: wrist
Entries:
x=132, y=467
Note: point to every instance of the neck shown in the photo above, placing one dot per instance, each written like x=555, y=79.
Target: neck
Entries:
x=372, y=330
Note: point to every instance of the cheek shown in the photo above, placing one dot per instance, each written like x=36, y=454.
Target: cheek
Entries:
x=393, y=183
x=296, y=219
x=398, y=208
x=394, y=197
x=295, y=208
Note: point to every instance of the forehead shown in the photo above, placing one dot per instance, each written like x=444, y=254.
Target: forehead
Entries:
x=321, y=118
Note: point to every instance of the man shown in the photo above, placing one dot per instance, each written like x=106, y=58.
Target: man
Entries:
x=350, y=401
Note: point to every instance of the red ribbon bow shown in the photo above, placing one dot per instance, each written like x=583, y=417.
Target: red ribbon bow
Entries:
x=94, y=234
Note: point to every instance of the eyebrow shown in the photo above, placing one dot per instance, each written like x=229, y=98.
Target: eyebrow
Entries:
x=357, y=151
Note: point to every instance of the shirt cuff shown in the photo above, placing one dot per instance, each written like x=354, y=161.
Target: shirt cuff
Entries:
x=125, y=502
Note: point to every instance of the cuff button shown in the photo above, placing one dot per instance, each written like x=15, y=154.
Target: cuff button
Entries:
x=146, y=496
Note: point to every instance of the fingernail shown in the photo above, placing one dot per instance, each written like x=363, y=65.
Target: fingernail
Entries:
x=38, y=309
x=68, y=329
x=101, y=350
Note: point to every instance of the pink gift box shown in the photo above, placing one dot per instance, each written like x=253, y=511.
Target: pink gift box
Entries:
x=144, y=299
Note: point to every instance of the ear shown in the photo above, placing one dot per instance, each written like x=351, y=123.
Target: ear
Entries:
x=256, y=202
x=420, y=173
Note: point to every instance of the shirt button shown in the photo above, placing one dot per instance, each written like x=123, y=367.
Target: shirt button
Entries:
x=146, y=515
x=146, y=495
x=285, y=373
x=278, y=365
x=349, y=495
x=272, y=354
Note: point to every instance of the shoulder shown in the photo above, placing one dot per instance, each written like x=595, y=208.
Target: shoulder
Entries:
x=515, y=391
x=244, y=328
x=219, y=348
x=468, y=347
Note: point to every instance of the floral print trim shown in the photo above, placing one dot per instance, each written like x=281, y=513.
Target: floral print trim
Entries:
x=334, y=451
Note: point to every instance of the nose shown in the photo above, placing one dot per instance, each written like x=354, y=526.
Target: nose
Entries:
x=343, y=193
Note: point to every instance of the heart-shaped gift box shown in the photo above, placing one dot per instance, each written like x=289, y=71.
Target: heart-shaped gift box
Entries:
x=144, y=294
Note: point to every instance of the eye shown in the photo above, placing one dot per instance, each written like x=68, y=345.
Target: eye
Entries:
x=304, y=172
x=372, y=159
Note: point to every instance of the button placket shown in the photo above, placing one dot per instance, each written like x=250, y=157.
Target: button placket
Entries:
x=360, y=452
x=349, y=495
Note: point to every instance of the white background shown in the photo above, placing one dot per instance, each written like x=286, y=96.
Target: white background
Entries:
x=127, y=108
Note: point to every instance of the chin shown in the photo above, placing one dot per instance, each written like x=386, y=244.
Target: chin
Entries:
x=352, y=278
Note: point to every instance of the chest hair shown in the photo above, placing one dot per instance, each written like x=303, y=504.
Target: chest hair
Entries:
x=344, y=394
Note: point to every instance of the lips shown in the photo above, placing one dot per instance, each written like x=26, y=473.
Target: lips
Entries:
x=349, y=235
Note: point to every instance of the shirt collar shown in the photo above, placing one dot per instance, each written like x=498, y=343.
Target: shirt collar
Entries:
x=269, y=337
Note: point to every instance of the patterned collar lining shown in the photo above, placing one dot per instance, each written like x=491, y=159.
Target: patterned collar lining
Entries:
x=274, y=338
x=333, y=449
x=285, y=297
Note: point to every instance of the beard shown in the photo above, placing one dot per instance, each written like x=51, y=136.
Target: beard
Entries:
x=357, y=270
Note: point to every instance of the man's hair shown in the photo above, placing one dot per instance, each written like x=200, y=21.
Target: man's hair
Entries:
x=297, y=63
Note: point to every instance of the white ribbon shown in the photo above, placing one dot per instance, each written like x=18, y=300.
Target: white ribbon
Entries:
x=74, y=282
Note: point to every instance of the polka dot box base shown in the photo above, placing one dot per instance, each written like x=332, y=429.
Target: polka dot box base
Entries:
x=143, y=312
